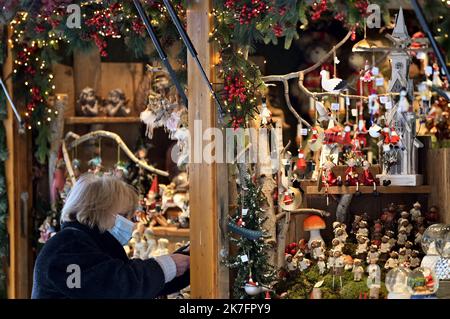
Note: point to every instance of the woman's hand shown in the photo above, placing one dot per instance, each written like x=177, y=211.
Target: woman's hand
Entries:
x=182, y=262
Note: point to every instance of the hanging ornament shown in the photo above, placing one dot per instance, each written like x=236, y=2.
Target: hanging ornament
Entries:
x=265, y=113
x=436, y=76
x=334, y=85
x=287, y=198
x=403, y=104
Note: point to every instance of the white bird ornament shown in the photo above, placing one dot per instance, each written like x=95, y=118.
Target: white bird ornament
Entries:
x=334, y=85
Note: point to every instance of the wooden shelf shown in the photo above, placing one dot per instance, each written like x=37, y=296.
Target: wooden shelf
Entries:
x=162, y=231
x=101, y=120
x=336, y=190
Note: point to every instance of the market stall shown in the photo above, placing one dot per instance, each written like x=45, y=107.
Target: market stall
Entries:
x=301, y=147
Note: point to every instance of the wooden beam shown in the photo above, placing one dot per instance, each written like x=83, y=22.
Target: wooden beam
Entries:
x=207, y=182
x=18, y=171
x=336, y=190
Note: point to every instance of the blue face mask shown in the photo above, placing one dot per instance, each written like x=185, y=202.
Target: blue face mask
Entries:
x=122, y=230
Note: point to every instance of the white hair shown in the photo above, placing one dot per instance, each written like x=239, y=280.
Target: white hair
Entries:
x=95, y=200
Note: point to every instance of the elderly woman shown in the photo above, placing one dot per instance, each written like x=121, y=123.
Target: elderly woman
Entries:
x=86, y=258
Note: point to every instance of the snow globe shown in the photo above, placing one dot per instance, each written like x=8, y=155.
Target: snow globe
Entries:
x=422, y=283
x=396, y=282
x=430, y=239
x=442, y=266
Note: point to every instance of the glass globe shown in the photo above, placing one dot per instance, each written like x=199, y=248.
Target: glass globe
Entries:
x=396, y=280
x=422, y=281
x=443, y=243
x=430, y=237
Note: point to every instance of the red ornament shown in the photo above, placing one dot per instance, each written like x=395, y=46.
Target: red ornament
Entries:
x=287, y=198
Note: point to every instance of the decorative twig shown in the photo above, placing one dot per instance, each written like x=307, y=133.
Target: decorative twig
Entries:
x=101, y=133
x=298, y=211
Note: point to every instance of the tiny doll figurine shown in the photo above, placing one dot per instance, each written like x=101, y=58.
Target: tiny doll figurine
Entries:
x=139, y=246
x=322, y=265
x=302, y=262
x=291, y=263
x=337, y=245
x=88, y=102
x=357, y=270
x=392, y=262
x=338, y=266
x=361, y=249
x=385, y=248
x=316, y=249
x=95, y=165
x=388, y=216
x=340, y=232
x=406, y=225
x=363, y=230
x=377, y=232
x=402, y=236
x=162, y=249
x=392, y=240
x=404, y=216
x=367, y=178
x=414, y=260
x=116, y=104
x=432, y=216
x=402, y=257
x=415, y=212
x=330, y=260
x=355, y=225
x=328, y=177
x=419, y=235
x=151, y=243
x=373, y=254
x=420, y=221
x=351, y=176
x=408, y=247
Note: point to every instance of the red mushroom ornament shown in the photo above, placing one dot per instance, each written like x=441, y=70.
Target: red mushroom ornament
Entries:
x=314, y=224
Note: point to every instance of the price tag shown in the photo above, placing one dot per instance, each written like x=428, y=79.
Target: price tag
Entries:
x=383, y=99
x=244, y=258
x=301, y=155
x=428, y=70
x=379, y=82
x=244, y=211
x=388, y=105
x=347, y=100
x=335, y=106
x=354, y=112
x=304, y=131
x=375, y=71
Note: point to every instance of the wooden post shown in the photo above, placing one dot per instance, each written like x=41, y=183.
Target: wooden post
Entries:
x=207, y=182
x=19, y=187
x=438, y=172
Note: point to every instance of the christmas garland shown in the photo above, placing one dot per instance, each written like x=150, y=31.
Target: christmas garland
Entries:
x=41, y=32
x=251, y=261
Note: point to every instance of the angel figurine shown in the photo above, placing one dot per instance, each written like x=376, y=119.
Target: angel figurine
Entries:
x=88, y=102
x=116, y=104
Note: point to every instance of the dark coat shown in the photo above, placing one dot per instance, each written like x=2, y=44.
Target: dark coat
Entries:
x=106, y=271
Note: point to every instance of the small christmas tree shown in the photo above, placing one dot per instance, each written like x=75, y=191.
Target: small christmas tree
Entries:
x=252, y=259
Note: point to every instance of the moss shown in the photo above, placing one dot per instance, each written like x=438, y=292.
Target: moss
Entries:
x=353, y=289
